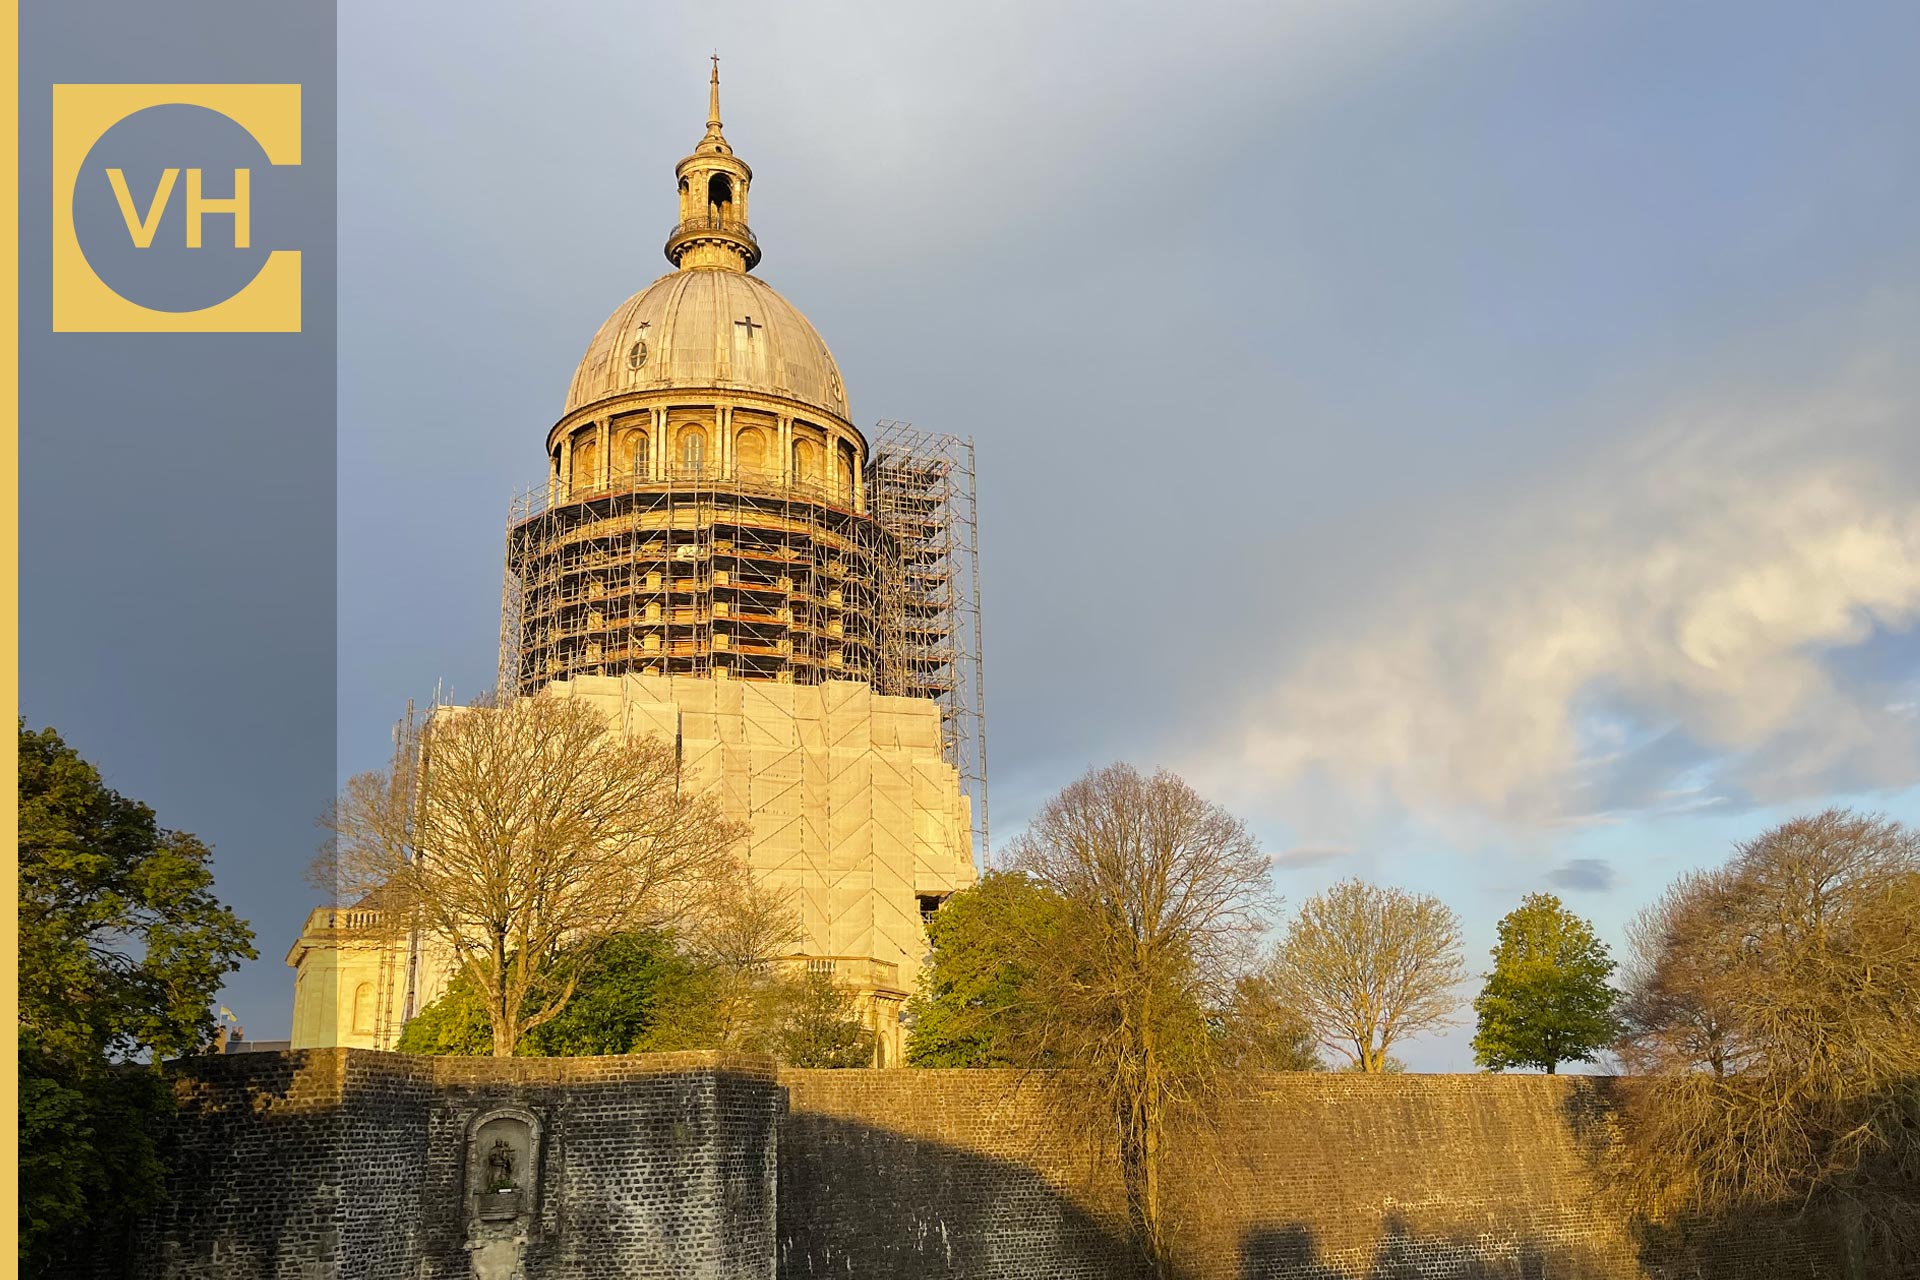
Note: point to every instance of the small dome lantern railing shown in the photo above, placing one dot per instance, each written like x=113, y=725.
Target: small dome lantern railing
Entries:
x=704, y=228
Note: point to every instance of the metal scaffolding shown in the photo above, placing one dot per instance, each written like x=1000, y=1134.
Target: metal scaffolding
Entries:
x=921, y=491
x=728, y=573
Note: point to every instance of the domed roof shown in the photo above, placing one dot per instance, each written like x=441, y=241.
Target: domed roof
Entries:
x=709, y=329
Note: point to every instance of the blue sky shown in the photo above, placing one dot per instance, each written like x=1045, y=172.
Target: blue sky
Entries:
x=1475, y=441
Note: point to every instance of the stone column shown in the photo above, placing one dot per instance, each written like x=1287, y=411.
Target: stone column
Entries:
x=657, y=456
x=566, y=465
x=783, y=441
x=603, y=464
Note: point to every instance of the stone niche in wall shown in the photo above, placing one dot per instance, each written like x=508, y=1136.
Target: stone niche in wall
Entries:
x=502, y=1201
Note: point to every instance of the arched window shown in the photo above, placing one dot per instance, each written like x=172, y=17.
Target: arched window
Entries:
x=750, y=450
x=640, y=453
x=846, y=470
x=720, y=198
x=363, y=1009
x=693, y=448
x=803, y=461
x=586, y=457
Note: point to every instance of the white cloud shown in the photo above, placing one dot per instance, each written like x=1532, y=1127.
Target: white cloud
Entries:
x=1671, y=628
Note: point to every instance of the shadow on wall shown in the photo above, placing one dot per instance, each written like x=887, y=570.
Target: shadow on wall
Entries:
x=859, y=1200
x=356, y=1163
x=1290, y=1253
x=253, y=1129
x=1778, y=1242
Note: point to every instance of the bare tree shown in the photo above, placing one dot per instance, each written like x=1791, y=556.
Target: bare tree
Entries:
x=1677, y=1002
x=1777, y=1004
x=740, y=931
x=1162, y=893
x=519, y=833
x=1367, y=966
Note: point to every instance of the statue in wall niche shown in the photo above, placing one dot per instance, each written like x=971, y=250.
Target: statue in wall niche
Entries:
x=500, y=1166
x=503, y=1166
x=503, y=1175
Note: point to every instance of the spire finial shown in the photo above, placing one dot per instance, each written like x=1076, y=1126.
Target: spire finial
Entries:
x=713, y=95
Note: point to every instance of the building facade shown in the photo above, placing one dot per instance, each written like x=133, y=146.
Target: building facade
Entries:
x=721, y=557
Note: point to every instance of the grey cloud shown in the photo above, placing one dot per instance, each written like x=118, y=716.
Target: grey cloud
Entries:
x=1586, y=874
x=1310, y=856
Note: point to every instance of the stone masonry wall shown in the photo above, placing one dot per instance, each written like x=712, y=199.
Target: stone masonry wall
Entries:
x=925, y=1175
x=350, y=1163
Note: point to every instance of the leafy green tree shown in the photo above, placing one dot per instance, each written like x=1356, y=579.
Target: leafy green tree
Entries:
x=455, y=1025
x=972, y=987
x=123, y=947
x=1547, y=1000
x=820, y=1025
x=633, y=993
x=635, y=982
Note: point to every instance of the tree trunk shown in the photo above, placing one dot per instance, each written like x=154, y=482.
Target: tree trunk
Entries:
x=503, y=1017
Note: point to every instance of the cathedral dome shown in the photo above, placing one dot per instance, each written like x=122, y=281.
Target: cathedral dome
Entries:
x=709, y=329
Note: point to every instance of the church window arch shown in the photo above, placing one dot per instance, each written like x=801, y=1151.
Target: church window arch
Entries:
x=363, y=1009
x=720, y=198
x=805, y=461
x=750, y=450
x=586, y=456
x=693, y=448
x=638, y=455
x=845, y=477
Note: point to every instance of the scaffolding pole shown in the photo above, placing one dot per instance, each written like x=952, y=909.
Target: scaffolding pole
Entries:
x=922, y=490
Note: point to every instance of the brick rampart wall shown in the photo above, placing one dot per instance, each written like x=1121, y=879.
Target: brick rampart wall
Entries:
x=349, y=1163
x=924, y=1175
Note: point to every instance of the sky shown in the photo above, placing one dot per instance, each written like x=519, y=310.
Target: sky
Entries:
x=1475, y=442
